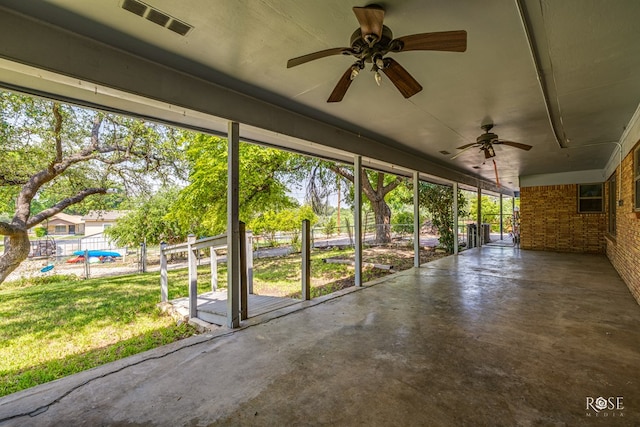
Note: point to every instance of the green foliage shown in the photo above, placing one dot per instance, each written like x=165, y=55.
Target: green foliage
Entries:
x=438, y=200
x=491, y=210
x=286, y=220
x=264, y=174
x=129, y=152
x=148, y=222
x=402, y=222
x=329, y=227
x=40, y=231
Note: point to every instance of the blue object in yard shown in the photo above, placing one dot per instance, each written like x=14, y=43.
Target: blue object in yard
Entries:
x=47, y=268
x=98, y=253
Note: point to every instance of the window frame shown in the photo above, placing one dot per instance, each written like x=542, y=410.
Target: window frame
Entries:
x=600, y=197
x=613, y=204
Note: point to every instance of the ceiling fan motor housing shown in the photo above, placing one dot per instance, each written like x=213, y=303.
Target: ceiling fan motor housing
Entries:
x=487, y=137
x=364, y=51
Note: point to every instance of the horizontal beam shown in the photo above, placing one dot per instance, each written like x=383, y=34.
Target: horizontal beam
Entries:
x=214, y=242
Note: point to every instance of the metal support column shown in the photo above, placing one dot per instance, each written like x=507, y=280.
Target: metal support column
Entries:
x=249, y=240
x=244, y=286
x=233, y=226
x=164, y=278
x=213, y=261
x=455, y=218
x=192, y=261
x=416, y=219
x=479, y=232
x=501, y=219
x=306, y=259
x=357, y=217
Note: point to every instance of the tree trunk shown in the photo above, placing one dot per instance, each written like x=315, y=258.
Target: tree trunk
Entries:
x=376, y=195
x=15, y=252
x=382, y=214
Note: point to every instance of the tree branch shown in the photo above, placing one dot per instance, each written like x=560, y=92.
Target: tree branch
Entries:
x=392, y=185
x=342, y=172
x=4, y=180
x=63, y=204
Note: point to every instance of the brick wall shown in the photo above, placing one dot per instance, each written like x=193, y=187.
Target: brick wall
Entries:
x=550, y=221
x=623, y=249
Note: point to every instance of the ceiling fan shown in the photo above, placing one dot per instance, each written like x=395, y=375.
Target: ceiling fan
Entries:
x=485, y=143
x=487, y=140
x=372, y=41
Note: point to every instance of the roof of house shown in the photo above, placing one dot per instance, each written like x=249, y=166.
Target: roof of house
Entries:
x=71, y=219
x=103, y=215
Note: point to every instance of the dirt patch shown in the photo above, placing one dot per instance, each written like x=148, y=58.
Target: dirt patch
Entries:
x=400, y=257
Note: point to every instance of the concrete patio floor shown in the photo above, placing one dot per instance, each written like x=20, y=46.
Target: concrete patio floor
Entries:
x=494, y=336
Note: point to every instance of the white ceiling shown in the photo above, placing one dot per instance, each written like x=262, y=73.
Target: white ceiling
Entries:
x=587, y=52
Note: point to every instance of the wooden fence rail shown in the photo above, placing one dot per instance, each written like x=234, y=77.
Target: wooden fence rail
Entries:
x=192, y=248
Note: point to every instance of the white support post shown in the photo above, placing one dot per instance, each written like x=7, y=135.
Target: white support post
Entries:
x=306, y=259
x=193, y=277
x=233, y=226
x=455, y=218
x=214, y=270
x=244, y=286
x=416, y=219
x=357, y=217
x=501, y=219
x=87, y=268
x=249, y=235
x=479, y=233
x=164, y=278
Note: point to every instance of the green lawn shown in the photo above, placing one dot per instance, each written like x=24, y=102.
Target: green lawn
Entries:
x=54, y=326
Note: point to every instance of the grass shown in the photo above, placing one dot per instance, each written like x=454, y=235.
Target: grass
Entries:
x=54, y=326
x=59, y=325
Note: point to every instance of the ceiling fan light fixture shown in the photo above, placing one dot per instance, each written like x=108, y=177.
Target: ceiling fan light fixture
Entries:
x=489, y=152
x=354, y=72
x=377, y=77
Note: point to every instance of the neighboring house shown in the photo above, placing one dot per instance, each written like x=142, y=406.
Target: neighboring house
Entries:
x=62, y=224
x=97, y=221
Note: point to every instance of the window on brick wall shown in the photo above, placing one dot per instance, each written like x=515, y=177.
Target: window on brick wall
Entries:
x=590, y=198
x=636, y=178
x=613, y=203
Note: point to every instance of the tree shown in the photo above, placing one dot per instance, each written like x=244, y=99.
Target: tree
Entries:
x=375, y=186
x=265, y=174
x=490, y=210
x=438, y=200
x=148, y=221
x=289, y=220
x=74, y=154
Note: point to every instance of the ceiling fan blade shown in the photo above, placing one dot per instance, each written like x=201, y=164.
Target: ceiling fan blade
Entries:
x=514, y=144
x=316, y=55
x=464, y=150
x=449, y=41
x=370, y=20
x=402, y=80
x=341, y=88
x=467, y=146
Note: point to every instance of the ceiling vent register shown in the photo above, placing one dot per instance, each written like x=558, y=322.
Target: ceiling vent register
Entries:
x=156, y=16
